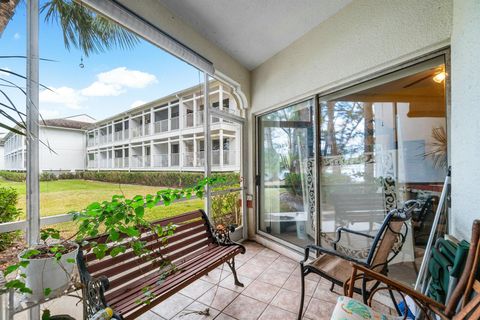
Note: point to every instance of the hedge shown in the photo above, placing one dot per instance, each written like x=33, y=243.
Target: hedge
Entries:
x=157, y=178
x=8, y=212
x=149, y=178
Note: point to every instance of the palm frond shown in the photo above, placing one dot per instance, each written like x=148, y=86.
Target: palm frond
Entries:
x=85, y=30
x=439, y=148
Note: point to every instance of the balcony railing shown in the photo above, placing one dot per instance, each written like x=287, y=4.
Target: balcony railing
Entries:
x=161, y=126
x=121, y=163
x=92, y=164
x=174, y=159
x=188, y=118
x=136, y=132
x=118, y=135
x=174, y=123
x=147, y=129
x=160, y=160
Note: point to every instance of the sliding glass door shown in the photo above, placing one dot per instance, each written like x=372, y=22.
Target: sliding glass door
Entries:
x=286, y=175
x=379, y=144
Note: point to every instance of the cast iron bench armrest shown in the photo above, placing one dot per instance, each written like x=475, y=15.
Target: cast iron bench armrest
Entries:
x=330, y=252
x=222, y=236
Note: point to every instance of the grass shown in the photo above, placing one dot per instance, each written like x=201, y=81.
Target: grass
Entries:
x=64, y=196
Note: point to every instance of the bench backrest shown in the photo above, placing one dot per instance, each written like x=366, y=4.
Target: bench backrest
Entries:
x=191, y=237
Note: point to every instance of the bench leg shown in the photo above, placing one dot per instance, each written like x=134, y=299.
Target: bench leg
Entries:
x=231, y=264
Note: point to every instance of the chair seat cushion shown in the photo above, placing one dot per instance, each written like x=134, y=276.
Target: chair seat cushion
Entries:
x=351, y=309
x=332, y=266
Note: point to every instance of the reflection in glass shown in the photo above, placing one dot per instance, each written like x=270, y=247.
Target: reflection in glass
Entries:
x=287, y=173
x=380, y=147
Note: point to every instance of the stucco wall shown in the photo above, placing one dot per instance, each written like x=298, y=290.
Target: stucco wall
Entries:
x=465, y=123
x=364, y=37
x=69, y=146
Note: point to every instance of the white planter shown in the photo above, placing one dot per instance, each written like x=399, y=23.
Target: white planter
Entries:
x=48, y=273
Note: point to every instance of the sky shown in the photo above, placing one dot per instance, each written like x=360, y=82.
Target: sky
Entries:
x=109, y=83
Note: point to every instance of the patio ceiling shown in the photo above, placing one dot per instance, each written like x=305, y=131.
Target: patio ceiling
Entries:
x=253, y=31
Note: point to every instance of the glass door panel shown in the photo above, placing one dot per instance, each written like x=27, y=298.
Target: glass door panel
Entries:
x=286, y=172
x=379, y=147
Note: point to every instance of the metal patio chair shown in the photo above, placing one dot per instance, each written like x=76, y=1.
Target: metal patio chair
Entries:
x=335, y=265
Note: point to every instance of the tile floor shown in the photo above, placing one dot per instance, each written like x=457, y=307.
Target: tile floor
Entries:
x=272, y=291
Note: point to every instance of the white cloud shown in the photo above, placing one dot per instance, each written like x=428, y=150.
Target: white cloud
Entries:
x=137, y=103
x=16, y=36
x=114, y=82
x=66, y=96
x=101, y=89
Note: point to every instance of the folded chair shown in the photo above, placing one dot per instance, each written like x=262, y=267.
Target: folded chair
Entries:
x=335, y=265
x=464, y=302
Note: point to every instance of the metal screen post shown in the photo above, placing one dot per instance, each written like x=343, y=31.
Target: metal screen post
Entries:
x=208, y=141
x=32, y=133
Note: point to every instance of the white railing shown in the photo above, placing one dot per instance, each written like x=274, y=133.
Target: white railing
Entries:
x=137, y=162
x=103, y=139
x=174, y=123
x=200, y=159
x=174, y=159
x=160, y=160
x=136, y=132
x=229, y=157
x=216, y=157
x=92, y=164
x=200, y=118
x=90, y=142
x=147, y=129
x=118, y=135
x=188, y=158
x=188, y=120
x=118, y=162
x=161, y=126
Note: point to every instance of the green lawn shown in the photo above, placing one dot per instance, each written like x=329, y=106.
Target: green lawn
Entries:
x=64, y=196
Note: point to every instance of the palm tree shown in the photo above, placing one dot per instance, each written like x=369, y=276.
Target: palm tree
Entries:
x=82, y=29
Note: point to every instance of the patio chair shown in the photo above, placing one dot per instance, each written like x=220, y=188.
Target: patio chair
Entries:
x=335, y=265
x=461, y=306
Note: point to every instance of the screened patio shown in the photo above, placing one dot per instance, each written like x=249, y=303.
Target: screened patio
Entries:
x=340, y=121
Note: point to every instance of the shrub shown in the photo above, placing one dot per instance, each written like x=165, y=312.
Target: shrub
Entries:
x=226, y=209
x=13, y=176
x=48, y=176
x=156, y=178
x=8, y=212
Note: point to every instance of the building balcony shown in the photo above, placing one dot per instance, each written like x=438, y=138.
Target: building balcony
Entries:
x=161, y=126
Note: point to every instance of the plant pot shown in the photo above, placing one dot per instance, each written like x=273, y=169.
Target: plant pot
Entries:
x=42, y=273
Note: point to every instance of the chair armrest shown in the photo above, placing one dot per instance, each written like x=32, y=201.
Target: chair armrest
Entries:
x=329, y=252
x=424, y=302
x=343, y=229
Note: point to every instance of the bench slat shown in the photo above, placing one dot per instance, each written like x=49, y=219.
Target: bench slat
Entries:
x=194, y=272
x=108, y=261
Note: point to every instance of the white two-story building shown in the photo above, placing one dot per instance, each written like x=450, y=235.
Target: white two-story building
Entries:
x=166, y=134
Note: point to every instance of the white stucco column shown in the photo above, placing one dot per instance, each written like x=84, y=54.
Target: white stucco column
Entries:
x=465, y=120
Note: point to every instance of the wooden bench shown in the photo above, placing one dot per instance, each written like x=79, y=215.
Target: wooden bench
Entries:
x=120, y=282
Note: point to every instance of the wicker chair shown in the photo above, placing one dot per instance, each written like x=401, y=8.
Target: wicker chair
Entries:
x=463, y=304
x=335, y=265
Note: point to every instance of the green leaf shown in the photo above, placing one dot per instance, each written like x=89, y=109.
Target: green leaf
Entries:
x=71, y=260
x=30, y=253
x=117, y=250
x=114, y=235
x=132, y=232
x=47, y=291
x=139, y=211
x=11, y=269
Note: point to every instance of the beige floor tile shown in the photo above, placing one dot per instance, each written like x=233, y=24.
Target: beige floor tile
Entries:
x=250, y=270
x=229, y=283
x=214, y=275
x=289, y=300
x=261, y=291
x=319, y=310
x=218, y=297
x=274, y=313
x=196, y=289
x=223, y=316
x=149, y=315
x=277, y=278
x=245, y=308
x=262, y=261
x=294, y=283
x=173, y=305
x=269, y=253
x=197, y=311
x=323, y=293
x=284, y=266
